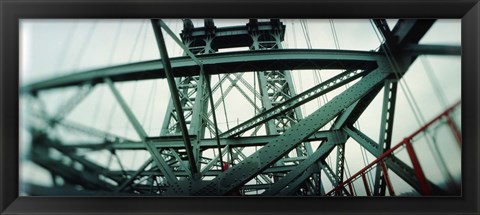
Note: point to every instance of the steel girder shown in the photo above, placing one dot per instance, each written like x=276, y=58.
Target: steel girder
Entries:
x=274, y=150
x=337, y=137
x=296, y=101
x=276, y=86
x=346, y=107
x=386, y=128
x=346, y=118
x=219, y=63
x=175, y=96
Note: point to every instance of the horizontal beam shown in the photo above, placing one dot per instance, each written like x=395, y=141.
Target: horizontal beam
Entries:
x=169, y=142
x=433, y=50
x=218, y=63
x=182, y=173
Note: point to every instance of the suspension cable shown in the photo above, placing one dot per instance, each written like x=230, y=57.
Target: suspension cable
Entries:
x=300, y=78
x=414, y=107
x=81, y=54
x=223, y=98
x=152, y=89
x=135, y=44
x=115, y=41
x=66, y=47
x=112, y=111
x=434, y=81
x=401, y=82
x=152, y=107
x=143, y=43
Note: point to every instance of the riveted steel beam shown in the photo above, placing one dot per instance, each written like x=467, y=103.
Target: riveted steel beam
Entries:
x=274, y=150
x=338, y=137
x=386, y=129
x=173, y=90
x=219, y=63
x=296, y=101
x=169, y=142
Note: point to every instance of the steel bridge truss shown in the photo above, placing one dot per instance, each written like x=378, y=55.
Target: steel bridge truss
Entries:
x=285, y=162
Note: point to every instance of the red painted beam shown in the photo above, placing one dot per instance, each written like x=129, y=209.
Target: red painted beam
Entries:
x=390, y=151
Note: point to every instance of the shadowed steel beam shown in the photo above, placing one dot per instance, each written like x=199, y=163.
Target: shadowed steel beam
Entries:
x=294, y=185
x=433, y=50
x=175, y=97
x=219, y=63
x=91, y=170
x=161, y=164
x=411, y=30
x=276, y=149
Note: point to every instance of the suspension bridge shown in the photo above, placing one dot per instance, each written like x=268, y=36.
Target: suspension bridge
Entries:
x=247, y=113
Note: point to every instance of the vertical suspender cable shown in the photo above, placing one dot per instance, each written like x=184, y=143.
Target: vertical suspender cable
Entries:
x=223, y=98
x=414, y=106
x=66, y=47
x=83, y=48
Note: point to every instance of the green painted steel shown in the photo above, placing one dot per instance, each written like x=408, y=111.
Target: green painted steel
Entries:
x=396, y=165
x=274, y=150
x=177, y=155
x=159, y=161
x=218, y=63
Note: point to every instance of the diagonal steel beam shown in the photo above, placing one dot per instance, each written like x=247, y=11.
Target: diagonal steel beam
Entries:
x=302, y=98
x=173, y=89
x=294, y=185
x=274, y=150
x=411, y=30
x=328, y=172
x=180, y=43
x=338, y=137
x=159, y=161
x=134, y=175
x=176, y=142
x=396, y=165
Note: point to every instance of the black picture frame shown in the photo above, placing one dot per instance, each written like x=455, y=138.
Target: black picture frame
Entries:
x=13, y=10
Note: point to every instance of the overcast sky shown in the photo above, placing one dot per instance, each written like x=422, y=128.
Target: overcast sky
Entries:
x=50, y=48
